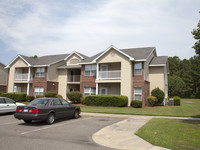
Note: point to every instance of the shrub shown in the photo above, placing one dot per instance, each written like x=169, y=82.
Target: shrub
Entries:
x=136, y=104
x=50, y=94
x=177, y=100
x=106, y=100
x=159, y=94
x=30, y=98
x=152, y=100
x=59, y=96
x=1, y=92
x=39, y=96
x=18, y=97
x=74, y=97
x=82, y=100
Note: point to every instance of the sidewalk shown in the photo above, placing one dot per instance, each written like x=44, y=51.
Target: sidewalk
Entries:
x=121, y=135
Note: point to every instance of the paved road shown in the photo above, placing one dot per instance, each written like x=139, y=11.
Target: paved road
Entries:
x=65, y=134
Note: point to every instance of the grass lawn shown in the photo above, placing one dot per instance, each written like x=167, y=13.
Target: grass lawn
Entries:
x=171, y=133
x=188, y=108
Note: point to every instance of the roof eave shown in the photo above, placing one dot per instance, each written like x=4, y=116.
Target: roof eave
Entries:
x=8, y=66
x=157, y=65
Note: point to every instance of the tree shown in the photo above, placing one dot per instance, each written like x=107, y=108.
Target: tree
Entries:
x=176, y=86
x=196, y=35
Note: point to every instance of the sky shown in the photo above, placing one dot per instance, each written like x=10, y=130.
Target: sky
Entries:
x=39, y=27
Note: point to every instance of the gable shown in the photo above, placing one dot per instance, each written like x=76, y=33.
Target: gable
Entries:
x=73, y=60
x=18, y=63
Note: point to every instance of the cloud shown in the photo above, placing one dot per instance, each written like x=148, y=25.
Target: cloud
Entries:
x=53, y=27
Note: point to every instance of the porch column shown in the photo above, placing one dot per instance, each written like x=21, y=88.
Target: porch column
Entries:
x=97, y=76
x=29, y=78
x=97, y=89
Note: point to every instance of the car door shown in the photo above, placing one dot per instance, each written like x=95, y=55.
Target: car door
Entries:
x=68, y=110
x=3, y=105
x=58, y=108
x=11, y=105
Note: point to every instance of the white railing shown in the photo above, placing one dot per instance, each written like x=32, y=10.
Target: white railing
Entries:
x=22, y=77
x=110, y=75
x=74, y=78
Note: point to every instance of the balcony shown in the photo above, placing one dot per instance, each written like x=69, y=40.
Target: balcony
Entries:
x=110, y=75
x=23, y=77
x=74, y=78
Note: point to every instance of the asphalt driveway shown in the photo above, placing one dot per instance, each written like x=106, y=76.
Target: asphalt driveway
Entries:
x=65, y=134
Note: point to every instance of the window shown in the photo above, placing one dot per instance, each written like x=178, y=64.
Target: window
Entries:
x=89, y=91
x=138, y=93
x=9, y=101
x=90, y=70
x=2, y=101
x=39, y=91
x=56, y=102
x=138, y=69
x=103, y=91
x=39, y=72
x=64, y=102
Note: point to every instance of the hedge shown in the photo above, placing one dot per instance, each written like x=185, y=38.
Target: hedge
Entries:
x=50, y=94
x=106, y=100
x=39, y=96
x=1, y=92
x=136, y=104
x=74, y=97
x=18, y=97
x=152, y=100
x=177, y=100
x=30, y=98
x=59, y=96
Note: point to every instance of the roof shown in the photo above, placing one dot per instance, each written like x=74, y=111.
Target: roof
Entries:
x=44, y=60
x=159, y=61
x=69, y=67
x=135, y=53
x=2, y=64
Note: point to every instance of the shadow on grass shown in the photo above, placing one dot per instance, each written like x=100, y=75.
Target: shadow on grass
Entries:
x=193, y=122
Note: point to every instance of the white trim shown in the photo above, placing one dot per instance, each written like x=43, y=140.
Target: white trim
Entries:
x=18, y=56
x=74, y=52
x=97, y=88
x=157, y=65
x=151, y=53
x=36, y=66
x=140, y=60
x=109, y=48
x=86, y=63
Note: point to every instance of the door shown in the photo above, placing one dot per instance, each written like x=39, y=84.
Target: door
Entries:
x=11, y=106
x=68, y=110
x=103, y=91
x=58, y=108
x=104, y=70
x=72, y=76
x=3, y=105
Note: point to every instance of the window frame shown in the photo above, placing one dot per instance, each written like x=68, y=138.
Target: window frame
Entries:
x=137, y=93
x=40, y=72
x=39, y=91
x=106, y=91
x=138, y=69
x=91, y=92
x=91, y=71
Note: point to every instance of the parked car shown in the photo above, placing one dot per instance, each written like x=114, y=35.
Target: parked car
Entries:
x=47, y=109
x=8, y=105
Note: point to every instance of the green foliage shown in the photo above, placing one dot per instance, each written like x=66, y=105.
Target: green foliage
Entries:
x=176, y=86
x=106, y=100
x=136, y=104
x=50, y=94
x=39, y=96
x=30, y=98
x=82, y=100
x=152, y=100
x=59, y=96
x=18, y=97
x=159, y=94
x=74, y=97
x=177, y=100
x=1, y=92
x=196, y=36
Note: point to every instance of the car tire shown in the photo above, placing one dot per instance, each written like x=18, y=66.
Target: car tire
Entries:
x=76, y=114
x=27, y=121
x=51, y=118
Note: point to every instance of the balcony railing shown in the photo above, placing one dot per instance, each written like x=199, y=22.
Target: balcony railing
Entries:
x=22, y=77
x=110, y=75
x=74, y=78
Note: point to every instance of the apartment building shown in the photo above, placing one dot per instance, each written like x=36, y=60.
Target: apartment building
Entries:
x=132, y=72
x=3, y=77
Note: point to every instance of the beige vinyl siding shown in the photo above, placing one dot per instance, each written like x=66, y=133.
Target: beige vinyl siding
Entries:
x=72, y=59
x=126, y=70
x=62, y=82
x=113, y=88
x=18, y=63
x=146, y=66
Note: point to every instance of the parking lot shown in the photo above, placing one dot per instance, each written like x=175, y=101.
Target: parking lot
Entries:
x=64, y=134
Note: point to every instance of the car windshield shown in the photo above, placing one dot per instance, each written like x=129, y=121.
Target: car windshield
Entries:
x=38, y=102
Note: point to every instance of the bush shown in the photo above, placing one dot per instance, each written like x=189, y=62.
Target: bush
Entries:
x=30, y=98
x=59, y=96
x=177, y=100
x=106, y=100
x=50, y=94
x=39, y=96
x=1, y=92
x=152, y=100
x=18, y=97
x=159, y=94
x=136, y=104
x=82, y=100
x=74, y=97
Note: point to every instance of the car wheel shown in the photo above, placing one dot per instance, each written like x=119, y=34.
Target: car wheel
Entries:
x=51, y=118
x=27, y=121
x=76, y=114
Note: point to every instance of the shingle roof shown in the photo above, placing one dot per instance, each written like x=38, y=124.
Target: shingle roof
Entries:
x=136, y=53
x=160, y=60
